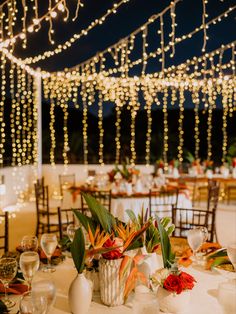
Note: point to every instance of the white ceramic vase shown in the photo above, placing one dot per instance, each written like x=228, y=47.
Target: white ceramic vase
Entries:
x=80, y=295
x=173, y=303
x=112, y=293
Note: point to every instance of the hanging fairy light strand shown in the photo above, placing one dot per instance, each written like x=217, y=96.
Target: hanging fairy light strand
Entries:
x=9, y=38
x=117, y=138
x=204, y=16
x=180, y=128
x=172, y=34
x=2, y=105
x=100, y=128
x=62, y=47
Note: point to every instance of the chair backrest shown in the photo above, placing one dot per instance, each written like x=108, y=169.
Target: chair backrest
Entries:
x=66, y=181
x=4, y=232
x=213, y=196
x=191, y=184
x=185, y=219
x=162, y=201
x=40, y=181
x=65, y=217
x=103, y=197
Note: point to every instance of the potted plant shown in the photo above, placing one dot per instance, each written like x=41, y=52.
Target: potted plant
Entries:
x=174, y=285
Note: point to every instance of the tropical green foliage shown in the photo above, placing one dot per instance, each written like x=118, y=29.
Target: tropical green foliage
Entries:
x=78, y=250
x=167, y=254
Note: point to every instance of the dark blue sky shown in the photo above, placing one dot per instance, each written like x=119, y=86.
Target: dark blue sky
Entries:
x=128, y=18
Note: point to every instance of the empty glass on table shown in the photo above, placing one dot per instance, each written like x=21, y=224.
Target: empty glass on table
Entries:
x=29, y=264
x=196, y=237
x=8, y=270
x=231, y=252
x=44, y=288
x=30, y=304
x=29, y=243
x=49, y=244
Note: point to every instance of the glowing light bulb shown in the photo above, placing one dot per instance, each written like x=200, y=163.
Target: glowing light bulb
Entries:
x=61, y=7
x=53, y=14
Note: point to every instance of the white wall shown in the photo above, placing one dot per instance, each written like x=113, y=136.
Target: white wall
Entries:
x=51, y=174
x=22, y=178
x=15, y=180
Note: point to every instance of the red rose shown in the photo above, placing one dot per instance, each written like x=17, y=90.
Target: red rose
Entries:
x=116, y=253
x=173, y=284
x=187, y=281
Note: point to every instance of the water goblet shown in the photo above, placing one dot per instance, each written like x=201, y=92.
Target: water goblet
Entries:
x=196, y=237
x=29, y=264
x=29, y=243
x=71, y=231
x=231, y=252
x=227, y=296
x=44, y=288
x=8, y=270
x=33, y=305
x=49, y=244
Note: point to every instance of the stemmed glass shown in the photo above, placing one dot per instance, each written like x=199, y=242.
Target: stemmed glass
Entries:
x=49, y=244
x=231, y=252
x=71, y=231
x=44, y=288
x=196, y=237
x=8, y=270
x=33, y=304
x=29, y=264
x=29, y=243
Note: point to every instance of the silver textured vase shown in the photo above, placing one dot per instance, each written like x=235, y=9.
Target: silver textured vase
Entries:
x=112, y=293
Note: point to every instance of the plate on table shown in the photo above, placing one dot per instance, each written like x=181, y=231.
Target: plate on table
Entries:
x=226, y=270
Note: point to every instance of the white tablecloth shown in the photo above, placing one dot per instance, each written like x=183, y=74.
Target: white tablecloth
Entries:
x=203, y=296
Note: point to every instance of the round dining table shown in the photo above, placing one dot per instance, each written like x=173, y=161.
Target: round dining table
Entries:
x=203, y=296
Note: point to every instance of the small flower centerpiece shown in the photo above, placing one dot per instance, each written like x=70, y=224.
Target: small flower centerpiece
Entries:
x=174, y=285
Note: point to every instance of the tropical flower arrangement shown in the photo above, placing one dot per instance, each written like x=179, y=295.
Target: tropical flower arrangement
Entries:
x=207, y=164
x=160, y=164
x=125, y=172
x=174, y=163
x=171, y=278
x=110, y=239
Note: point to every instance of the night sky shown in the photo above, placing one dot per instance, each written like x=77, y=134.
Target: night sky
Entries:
x=129, y=17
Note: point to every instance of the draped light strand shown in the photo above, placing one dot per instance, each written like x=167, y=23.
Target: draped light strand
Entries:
x=52, y=132
x=117, y=138
x=18, y=117
x=209, y=123
x=29, y=123
x=13, y=113
x=204, y=16
x=224, y=127
x=132, y=140
x=2, y=104
x=23, y=117
x=100, y=128
x=173, y=25
x=85, y=124
x=165, y=129
x=196, y=101
x=149, y=133
x=180, y=128
x=62, y=47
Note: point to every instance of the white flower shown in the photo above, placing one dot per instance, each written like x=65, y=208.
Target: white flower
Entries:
x=159, y=276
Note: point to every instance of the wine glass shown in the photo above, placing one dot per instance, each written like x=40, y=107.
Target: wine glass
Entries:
x=196, y=237
x=8, y=270
x=33, y=304
x=29, y=264
x=49, y=244
x=226, y=296
x=231, y=252
x=29, y=243
x=71, y=231
x=44, y=288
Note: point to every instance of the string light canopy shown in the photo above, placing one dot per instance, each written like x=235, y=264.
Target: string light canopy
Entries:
x=98, y=80
x=11, y=16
